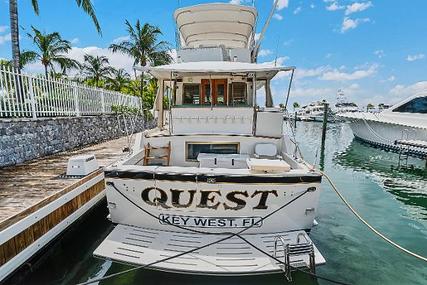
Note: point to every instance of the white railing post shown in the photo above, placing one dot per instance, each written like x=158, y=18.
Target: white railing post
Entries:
x=32, y=97
x=76, y=99
x=102, y=101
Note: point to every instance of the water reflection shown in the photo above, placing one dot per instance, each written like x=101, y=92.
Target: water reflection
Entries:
x=408, y=185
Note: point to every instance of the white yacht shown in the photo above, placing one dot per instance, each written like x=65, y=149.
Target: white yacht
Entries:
x=343, y=105
x=401, y=127
x=216, y=165
x=314, y=112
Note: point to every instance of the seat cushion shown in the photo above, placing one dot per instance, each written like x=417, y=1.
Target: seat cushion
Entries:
x=265, y=149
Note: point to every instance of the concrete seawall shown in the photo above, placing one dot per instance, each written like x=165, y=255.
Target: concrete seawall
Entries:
x=25, y=139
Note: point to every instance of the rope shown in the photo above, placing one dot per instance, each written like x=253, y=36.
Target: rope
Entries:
x=204, y=232
x=153, y=263
x=295, y=268
x=229, y=235
x=374, y=132
x=378, y=233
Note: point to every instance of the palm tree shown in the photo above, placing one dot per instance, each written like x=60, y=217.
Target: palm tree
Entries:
x=96, y=68
x=120, y=79
x=144, y=46
x=296, y=105
x=370, y=106
x=5, y=62
x=86, y=5
x=51, y=51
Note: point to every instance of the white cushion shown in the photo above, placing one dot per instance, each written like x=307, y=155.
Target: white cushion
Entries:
x=266, y=149
x=268, y=165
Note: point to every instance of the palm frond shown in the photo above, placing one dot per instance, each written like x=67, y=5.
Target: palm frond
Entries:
x=35, y=4
x=87, y=6
x=28, y=57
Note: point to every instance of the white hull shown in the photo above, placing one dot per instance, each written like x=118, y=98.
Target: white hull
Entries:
x=230, y=257
x=217, y=207
x=385, y=134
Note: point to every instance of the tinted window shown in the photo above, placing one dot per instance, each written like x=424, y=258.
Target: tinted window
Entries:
x=417, y=105
x=191, y=94
x=238, y=94
x=193, y=149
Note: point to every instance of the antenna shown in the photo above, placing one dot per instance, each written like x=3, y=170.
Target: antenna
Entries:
x=264, y=29
x=277, y=51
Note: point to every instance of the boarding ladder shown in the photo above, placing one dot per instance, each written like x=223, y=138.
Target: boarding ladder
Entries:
x=416, y=148
x=291, y=254
x=156, y=153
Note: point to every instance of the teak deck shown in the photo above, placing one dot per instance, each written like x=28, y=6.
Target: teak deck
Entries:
x=27, y=188
x=24, y=186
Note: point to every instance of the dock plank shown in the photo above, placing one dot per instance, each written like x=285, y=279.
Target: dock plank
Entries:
x=27, y=187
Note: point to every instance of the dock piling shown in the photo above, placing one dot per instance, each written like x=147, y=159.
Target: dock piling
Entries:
x=324, y=126
x=295, y=120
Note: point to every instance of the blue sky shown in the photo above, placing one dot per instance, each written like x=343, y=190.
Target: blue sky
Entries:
x=376, y=51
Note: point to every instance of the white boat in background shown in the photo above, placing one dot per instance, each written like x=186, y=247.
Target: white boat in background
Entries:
x=220, y=165
x=343, y=105
x=402, y=126
x=314, y=112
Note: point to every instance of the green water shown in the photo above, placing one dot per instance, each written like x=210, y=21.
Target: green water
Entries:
x=393, y=201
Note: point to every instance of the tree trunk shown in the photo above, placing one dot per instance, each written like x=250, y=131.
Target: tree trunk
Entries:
x=46, y=72
x=14, y=29
x=142, y=85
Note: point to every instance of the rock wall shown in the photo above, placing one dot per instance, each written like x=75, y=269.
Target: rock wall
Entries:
x=26, y=139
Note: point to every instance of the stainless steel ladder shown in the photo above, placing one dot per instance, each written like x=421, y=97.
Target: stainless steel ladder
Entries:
x=284, y=251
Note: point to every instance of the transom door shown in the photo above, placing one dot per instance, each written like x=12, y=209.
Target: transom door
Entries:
x=219, y=92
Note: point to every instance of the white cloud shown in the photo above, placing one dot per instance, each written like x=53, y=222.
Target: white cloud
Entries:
x=288, y=42
x=391, y=78
x=282, y=4
x=257, y=35
x=357, y=7
x=75, y=41
x=334, y=7
x=3, y=29
x=312, y=6
x=5, y=38
x=265, y=52
x=240, y=2
x=379, y=53
x=349, y=23
x=120, y=39
x=117, y=60
x=280, y=61
x=328, y=55
x=278, y=16
x=312, y=92
x=297, y=10
x=405, y=91
x=337, y=75
x=311, y=72
x=173, y=54
x=415, y=57
x=353, y=86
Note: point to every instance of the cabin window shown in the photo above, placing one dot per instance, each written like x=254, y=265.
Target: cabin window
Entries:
x=238, y=93
x=193, y=149
x=417, y=105
x=191, y=94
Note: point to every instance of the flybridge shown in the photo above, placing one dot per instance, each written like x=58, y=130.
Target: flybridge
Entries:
x=216, y=32
x=231, y=26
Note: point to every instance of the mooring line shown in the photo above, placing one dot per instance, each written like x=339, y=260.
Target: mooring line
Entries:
x=295, y=268
x=229, y=235
x=378, y=233
x=205, y=232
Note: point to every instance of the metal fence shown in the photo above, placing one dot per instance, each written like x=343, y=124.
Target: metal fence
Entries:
x=24, y=95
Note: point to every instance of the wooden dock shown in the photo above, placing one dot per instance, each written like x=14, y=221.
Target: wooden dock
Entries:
x=36, y=204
